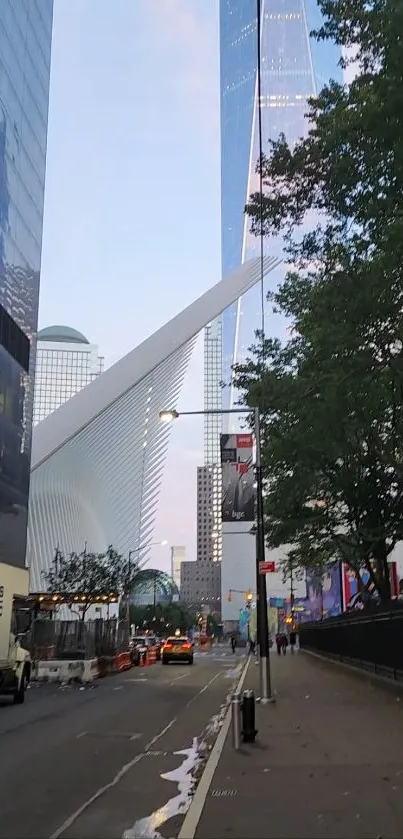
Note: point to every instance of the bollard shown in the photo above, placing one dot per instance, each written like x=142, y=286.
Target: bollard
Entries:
x=248, y=717
x=236, y=720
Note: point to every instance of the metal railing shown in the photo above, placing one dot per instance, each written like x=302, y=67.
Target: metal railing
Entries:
x=370, y=639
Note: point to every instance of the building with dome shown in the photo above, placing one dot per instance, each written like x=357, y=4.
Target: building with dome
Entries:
x=65, y=363
x=154, y=587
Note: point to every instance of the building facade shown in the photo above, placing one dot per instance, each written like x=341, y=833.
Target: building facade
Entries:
x=25, y=52
x=178, y=555
x=201, y=584
x=65, y=363
x=208, y=543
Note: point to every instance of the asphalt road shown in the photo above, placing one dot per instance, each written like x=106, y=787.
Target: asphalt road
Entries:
x=81, y=764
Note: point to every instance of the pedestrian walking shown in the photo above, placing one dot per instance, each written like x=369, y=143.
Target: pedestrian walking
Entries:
x=284, y=643
x=293, y=640
x=278, y=643
x=252, y=646
x=233, y=644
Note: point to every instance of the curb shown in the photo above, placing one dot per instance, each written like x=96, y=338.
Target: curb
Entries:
x=193, y=815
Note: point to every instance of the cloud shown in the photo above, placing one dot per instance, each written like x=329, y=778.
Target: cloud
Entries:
x=189, y=31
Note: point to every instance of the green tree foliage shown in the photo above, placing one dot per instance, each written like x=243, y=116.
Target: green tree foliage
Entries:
x=90, y=575
x=332, y=394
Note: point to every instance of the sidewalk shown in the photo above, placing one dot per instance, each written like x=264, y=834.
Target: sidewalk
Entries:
x=328, y=760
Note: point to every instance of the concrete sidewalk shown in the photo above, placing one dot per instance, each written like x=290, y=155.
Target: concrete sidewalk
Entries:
x=328, y=761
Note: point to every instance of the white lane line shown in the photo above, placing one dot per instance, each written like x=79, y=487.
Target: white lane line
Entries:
x=178, y=678
x=128, y=766
x=101, y=791
x=82, y=734
x=192, y=818
x=203, y=689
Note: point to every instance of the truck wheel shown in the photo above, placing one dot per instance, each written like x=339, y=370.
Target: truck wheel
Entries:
x=19, y=693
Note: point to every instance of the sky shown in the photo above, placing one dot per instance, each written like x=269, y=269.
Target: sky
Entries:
x=132, y=202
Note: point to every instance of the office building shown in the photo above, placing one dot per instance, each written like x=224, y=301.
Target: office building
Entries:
x=293, y=68
x=25, y=52
x=201, y=585
x=178, y=555
x=65, y=363
x=208, y=543
x=98, y=461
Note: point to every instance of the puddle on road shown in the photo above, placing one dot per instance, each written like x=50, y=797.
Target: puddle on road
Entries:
x=183, y=776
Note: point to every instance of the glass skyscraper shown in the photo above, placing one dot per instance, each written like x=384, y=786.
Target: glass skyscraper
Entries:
x=25, y=50
x=293, y=68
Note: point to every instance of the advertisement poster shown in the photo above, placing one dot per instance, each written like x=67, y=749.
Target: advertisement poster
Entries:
x=324, y=596
x=238, y=479
x=243, y=629
x=352, y=598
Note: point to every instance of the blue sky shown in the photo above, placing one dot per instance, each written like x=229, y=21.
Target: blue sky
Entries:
x=132, y=209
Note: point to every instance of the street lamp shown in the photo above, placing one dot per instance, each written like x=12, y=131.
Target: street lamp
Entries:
x=261, y=593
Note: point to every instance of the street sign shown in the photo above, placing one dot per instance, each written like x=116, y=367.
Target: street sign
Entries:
x=267, y=567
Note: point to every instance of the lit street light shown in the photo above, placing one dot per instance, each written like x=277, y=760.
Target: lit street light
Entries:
x=261, y=593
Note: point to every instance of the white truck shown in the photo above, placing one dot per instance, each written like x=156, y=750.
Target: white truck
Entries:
x=15, y=661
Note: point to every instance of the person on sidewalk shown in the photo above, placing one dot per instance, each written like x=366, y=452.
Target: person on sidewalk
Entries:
x=233, y=644
x=252, y=646
x=293, y=640
x=284, y=643
x=278, y=643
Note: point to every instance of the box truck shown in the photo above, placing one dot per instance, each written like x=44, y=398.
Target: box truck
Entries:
x=15, y=661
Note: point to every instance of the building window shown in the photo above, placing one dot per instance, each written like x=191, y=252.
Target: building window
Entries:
x=14, y=340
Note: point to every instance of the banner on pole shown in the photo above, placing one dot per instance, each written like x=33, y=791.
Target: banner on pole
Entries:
x=238, y=478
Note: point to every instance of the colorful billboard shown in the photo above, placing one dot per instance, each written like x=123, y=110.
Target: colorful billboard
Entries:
x=324, y=595
x=352, y=598
x=238, y=479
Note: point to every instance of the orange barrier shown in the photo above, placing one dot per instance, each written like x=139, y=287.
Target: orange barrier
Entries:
x=152, y=655
x=123, y=661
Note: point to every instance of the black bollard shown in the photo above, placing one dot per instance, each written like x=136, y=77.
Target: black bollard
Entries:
x=248, y=717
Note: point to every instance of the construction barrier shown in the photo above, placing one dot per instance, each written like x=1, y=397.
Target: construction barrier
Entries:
x=152, y=655
x=65, y=671
x=123, y=661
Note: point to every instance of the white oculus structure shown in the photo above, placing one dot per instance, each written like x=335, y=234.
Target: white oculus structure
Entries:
x=97, y=461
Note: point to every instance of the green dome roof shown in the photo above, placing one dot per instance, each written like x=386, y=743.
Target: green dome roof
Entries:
x=151, y=585
x=62, y=335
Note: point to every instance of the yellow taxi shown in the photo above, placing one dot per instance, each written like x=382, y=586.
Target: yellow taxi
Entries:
x=177, y=648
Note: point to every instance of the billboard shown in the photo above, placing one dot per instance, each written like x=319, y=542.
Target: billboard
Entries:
x=352, y=598
x=324, y=595
x=238, y=478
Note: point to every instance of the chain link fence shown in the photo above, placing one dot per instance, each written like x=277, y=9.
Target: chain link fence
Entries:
x=62, y=640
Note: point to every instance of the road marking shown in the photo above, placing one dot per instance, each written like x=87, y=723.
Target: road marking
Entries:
x=82, y=734
x=101, y=791
x=119, y=687
x=135, y=680
x=128, y=766
x=203, y=689
x=192, y=818
x=183, y=676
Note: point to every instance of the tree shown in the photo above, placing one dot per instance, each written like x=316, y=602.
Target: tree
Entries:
x=90, y=575
x=332, y=394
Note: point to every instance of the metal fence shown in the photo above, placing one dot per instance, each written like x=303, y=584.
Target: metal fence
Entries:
x=372, y=639
x=62, y=640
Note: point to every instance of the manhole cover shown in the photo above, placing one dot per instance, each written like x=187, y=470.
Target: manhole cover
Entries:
x=224, y=793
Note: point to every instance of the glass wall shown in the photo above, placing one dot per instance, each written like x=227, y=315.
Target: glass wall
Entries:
x=294, y=67
x=25, y=48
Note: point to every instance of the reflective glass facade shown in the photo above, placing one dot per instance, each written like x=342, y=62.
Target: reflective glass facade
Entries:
x=294, y=67
x=25, y=48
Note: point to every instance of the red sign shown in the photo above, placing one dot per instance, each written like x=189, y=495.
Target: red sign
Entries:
x=267, y=567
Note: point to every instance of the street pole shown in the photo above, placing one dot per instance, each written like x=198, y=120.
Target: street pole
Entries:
x=261, y=591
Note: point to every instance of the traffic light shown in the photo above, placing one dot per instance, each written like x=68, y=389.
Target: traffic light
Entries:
x=249, y=596
x=229, y=596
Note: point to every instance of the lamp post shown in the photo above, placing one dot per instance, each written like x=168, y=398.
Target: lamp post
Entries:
x=261, y=593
